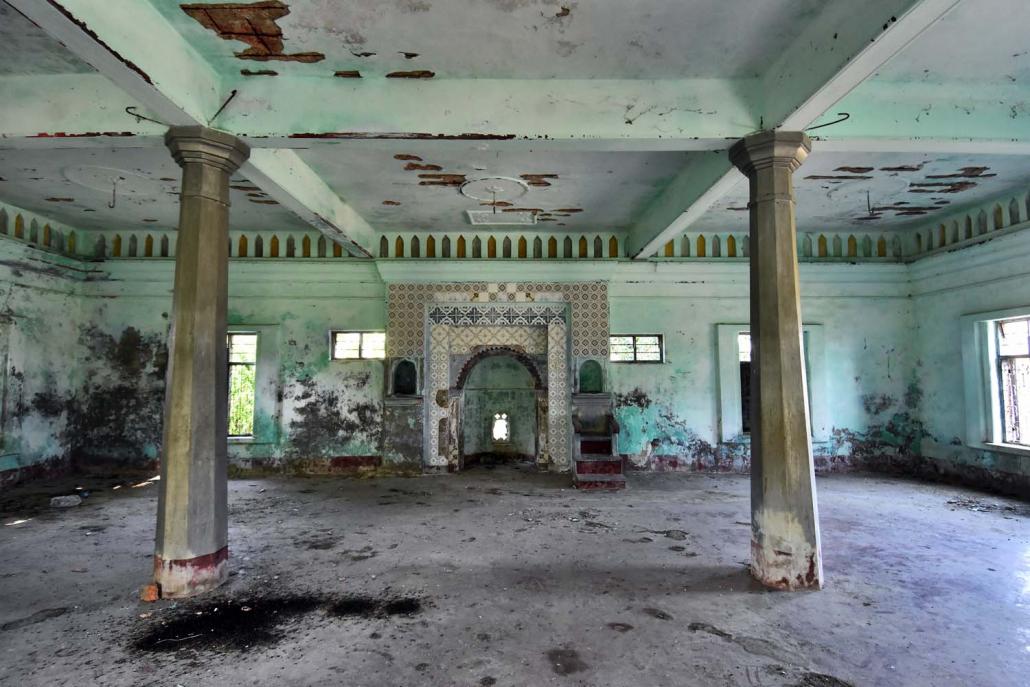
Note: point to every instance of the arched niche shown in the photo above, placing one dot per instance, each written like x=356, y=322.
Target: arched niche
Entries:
x=404, y=381
x=591, y=377
x=404, y=378
x=500, y=407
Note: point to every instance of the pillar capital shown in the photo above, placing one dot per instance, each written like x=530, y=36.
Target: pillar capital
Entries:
x=199, y=144
x=783, y=149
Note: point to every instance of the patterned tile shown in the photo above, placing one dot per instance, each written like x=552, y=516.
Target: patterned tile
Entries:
x=407, y=305
x=530, y=315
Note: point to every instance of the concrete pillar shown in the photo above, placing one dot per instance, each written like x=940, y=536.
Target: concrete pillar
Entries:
x=785, y=550
x=191, y=553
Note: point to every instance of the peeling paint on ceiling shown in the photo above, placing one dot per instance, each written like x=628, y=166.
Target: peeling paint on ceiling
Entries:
x=893, y=190
x=596, y=190
x=564, y=39
x=76, y=186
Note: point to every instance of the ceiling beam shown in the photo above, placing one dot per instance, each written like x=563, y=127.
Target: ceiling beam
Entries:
x=134, y=46
x=291, y=182
x=647, y=111
x=816, y=73
x=801, y=85
x=690, y=194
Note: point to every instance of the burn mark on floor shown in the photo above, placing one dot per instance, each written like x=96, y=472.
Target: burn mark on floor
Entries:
x=838, y=177
x=368, y=606
x=854, y=170
x=391, y=202
x=565, y=661
x=405, y=157
x=259, y=72
x=658, y=613
x=409, y=55
x=238, y=625
x=821, y=680
x=254, y=24
x=55, y=199
x=347, y=74
x=37, y=617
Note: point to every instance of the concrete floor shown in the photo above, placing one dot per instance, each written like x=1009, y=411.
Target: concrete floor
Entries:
x=522, y=581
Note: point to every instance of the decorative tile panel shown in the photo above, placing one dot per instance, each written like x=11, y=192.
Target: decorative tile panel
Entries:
x=510, y=315
x=558, y=413
x=588, y=304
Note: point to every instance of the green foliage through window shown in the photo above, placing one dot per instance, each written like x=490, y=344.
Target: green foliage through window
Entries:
x=242, y=374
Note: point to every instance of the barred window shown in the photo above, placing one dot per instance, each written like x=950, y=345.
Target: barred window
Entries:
x=636, y=348
x=358, y=345
x=1014, y=379
x=242, y=368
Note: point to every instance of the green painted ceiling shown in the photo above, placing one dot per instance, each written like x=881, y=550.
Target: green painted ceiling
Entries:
x=633, y=92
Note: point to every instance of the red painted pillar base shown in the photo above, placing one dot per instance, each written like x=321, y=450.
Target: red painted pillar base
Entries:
x=189, y=576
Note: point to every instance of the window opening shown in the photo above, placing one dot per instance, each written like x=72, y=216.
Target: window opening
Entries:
x=358, y=345
x=501, y=427
x=744, y=355
x=1014, y=379
x=242, y=374
x=636, y=348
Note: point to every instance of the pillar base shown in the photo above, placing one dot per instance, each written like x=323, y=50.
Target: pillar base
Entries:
x=185, y=577
x=785, y=563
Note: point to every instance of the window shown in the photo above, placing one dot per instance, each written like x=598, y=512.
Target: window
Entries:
x=996, y=372
x=744, y=355
x=359, y=345
x=501, y=429
x=734, y=351
x=1013, y=342
x=242, y=367
x=636, y=348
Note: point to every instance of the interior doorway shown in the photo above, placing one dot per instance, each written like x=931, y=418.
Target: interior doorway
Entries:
x=500, y=405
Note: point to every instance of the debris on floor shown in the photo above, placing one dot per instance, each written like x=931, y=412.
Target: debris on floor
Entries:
x=68, y=501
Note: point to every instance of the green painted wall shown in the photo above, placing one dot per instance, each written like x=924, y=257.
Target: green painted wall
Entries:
x=500, y=384
x=84, y=348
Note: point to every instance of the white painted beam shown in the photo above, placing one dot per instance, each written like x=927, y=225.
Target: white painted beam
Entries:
x=290, y=181
x=818, y=71
x=705, y=180
x=131, y=44
x=836, y=52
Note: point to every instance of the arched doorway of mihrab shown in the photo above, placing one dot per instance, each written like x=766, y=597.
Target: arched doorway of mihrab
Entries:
x=502, y=398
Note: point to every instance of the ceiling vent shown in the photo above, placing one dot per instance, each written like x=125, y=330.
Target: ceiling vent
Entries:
x=485, y=217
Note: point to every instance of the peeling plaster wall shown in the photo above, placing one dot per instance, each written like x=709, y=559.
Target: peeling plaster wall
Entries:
x=669, y=412
x=991, y=276
x=85, y=360
x=312, y=413
x=40, y=320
